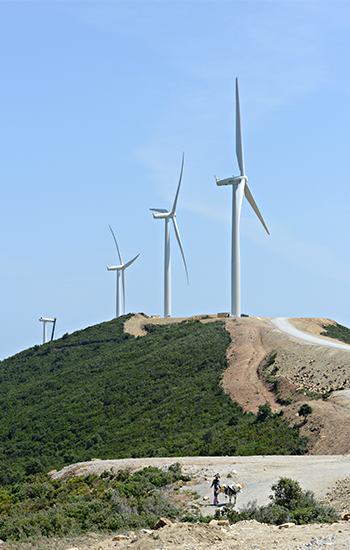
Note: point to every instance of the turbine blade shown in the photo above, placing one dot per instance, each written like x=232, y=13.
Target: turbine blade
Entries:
x=253, y=204
x=239, y=141
x=116, y=244
x=176, y=229
x=178, y=187
x=123, y=284
x=129, y=263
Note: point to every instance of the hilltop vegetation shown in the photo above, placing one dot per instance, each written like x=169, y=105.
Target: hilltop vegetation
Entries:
x=337, y=331
x=103, y=393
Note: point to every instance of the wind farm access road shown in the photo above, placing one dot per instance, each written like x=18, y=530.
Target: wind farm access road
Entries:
x=284, y=324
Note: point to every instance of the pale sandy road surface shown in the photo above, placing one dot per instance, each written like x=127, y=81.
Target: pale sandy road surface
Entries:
x=284, y=324
x=257, y=473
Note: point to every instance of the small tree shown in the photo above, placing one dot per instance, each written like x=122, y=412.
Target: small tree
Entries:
x=264, y=412
x=304, y=411
x=287, y=493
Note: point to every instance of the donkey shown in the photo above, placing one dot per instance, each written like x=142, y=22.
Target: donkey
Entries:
x=232, y=491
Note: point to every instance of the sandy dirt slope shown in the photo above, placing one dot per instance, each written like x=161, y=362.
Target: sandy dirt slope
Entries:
x=248, y=535
x=302, y=367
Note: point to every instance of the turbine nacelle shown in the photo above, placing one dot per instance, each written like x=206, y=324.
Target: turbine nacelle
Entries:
x=234, y=180
x=162, y=214
x=122, y=266
x=115, y=267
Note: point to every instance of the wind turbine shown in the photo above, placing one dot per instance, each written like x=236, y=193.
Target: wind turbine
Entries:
x=239, y=184
x=47, y=320
x=162, y=214
x=120, y=274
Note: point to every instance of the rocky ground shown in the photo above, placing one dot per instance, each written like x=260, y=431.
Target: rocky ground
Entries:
x=245, y=535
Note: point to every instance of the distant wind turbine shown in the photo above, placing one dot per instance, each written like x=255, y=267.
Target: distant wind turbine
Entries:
x=120, y=273
x=239, y=184
x=47, y=320
x=162, y=214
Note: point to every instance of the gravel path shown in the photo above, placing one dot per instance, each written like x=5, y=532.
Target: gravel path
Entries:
x=257, y=473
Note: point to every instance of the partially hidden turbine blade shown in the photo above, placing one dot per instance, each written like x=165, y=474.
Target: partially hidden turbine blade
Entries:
x=239, y=140
x=180, y=245
x=253, y=204
x=116, y=244
x=178, y=187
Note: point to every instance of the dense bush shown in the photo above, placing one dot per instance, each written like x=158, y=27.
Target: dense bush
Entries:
x=38, y=506
x=337, y=331
x=289, y=503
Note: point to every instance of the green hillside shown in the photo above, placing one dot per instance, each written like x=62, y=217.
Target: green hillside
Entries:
x=337, y=331
x=102, y=393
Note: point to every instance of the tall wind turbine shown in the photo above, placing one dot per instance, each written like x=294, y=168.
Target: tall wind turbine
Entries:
x=120, y=269
x=162, y=214
x=239, y=184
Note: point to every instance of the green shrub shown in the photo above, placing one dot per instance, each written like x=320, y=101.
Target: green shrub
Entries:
x=264, y=412
x=337, y=331
x=288, y=503
x=305, y=410
x=271, y=359
x=40, y=507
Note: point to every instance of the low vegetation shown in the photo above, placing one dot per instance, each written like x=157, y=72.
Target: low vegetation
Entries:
x=337, y=331
x=40, y=507
x=289, y=503
x=270, y=372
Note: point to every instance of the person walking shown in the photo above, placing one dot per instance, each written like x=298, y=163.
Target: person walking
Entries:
x=216, y=484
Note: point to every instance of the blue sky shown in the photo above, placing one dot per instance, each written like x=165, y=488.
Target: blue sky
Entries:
x=98, y=100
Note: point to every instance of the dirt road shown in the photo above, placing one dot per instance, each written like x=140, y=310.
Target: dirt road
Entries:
x=257, y=473
x=285, y=325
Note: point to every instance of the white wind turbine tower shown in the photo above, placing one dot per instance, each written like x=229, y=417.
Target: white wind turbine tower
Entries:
x=120, y=269
x=239, y=184
x=162, y=214
x=47, y=320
